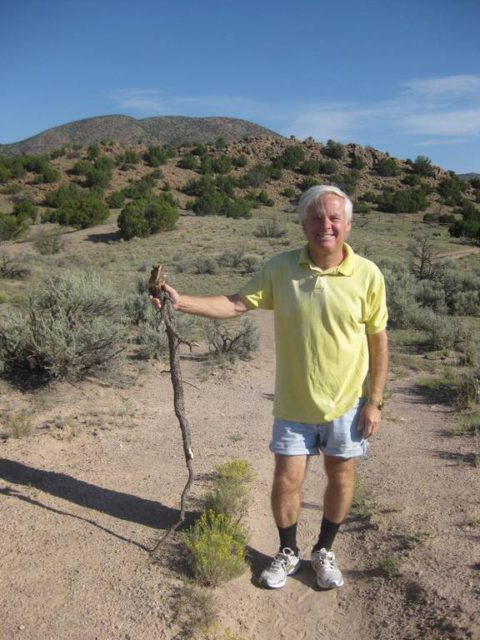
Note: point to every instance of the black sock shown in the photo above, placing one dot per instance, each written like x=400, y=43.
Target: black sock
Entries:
x=288, y=537
x=328, y=531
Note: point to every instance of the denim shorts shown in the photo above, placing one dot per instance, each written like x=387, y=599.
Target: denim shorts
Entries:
x=339, y=438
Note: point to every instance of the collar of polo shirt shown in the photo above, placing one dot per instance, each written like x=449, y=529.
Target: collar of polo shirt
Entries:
x=345, y=268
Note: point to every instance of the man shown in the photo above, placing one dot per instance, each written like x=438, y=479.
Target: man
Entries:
x=331, y=350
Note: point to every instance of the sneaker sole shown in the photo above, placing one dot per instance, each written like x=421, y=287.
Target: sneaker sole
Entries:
x=330, y=585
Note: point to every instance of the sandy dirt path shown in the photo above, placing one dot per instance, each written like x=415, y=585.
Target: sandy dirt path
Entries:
x=81, y=501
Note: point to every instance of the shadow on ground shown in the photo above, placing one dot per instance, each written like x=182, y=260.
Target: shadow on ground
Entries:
x=113, y=503
x=112, y=236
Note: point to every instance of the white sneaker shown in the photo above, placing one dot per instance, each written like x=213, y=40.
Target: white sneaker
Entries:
x=325, y=566
x=284, y=564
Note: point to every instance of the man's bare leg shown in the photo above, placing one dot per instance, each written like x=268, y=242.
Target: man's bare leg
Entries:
x=287, y=488
x=339, y=491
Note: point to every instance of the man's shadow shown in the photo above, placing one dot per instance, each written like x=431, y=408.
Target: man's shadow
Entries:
x=113, y=503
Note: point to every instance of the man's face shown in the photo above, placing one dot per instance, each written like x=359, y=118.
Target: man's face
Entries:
x=325, y=226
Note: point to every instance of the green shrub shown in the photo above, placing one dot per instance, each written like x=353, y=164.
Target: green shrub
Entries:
x=452, y=189
x=206, y=165
x=357, y=162
x=144, y=217
x=230, y=494
x=222, y=164
x=72, y=327
x=288, y=192
x=201, y=187
x=5, y=174
x=152, y=339
x=270, y=229
x=469, y=426
x=309, y=167
x=49, y=242
x=255, y=177
x=11, y=227
x=231, y=258
x=226, y=184
x=210, y=204
x=362, y=207
x=386, y=167
x=215, y=548
x=240, y=161
x=129, y=158
x=64, y=193
x=334, y=150
x=291, y=157
x=116, y=199
x=237, y=209
x=12, y=269
x=220, y=143
x=155, y=155
x=308, y=182
x=401, y=291
x=406, y=201
x=47, y=176
x=232, y=342
x=19, y=426
x=328, y=167
x=98, y=178
x=188, y=161
x=81, y=213
x=206, y=264
x=25, y=210
x=422, y=166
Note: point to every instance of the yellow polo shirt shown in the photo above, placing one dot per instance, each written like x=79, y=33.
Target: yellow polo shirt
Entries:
x=322, y=319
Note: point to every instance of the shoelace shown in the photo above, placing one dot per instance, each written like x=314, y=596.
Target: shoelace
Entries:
x=280, y=561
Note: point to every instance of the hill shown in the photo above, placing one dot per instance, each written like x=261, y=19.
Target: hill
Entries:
x=165, y=130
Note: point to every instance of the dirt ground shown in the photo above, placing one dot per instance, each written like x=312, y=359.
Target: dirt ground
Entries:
x=85, y=497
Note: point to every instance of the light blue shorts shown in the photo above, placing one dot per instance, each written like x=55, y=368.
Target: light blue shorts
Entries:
x=339, y=438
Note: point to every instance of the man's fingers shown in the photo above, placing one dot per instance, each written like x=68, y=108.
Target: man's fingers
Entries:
x=156, y=303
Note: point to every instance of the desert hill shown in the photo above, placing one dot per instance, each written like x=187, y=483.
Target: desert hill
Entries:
x=165, y=130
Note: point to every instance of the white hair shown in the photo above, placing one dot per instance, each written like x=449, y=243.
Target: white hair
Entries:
x=312, y=195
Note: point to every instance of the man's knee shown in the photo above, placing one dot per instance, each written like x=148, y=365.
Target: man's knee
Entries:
x=289, y=473
x=340, y=472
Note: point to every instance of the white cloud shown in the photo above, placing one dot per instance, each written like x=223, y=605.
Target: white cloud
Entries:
x=444, y=123
x=447, y=87
x=146, y=100
x=445, y=108
x=441, y=142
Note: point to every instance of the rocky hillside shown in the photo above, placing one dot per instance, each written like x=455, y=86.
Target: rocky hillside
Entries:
x=165, y=130
x=77, y=186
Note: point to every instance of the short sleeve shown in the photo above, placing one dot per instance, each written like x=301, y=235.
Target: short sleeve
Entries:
x=377, y=314
x=258, y=292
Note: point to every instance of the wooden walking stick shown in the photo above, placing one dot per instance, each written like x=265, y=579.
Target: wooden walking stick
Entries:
x=155, y=289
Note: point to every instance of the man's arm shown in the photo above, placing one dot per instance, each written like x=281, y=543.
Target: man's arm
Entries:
x=378, y=368
x=214, y=307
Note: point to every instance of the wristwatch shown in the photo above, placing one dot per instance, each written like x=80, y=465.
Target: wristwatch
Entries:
x=380, y=404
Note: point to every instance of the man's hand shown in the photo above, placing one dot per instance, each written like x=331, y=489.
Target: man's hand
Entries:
x=172, y=294
x=369, y=420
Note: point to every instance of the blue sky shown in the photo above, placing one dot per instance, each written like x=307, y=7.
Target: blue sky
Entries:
x=400, y=75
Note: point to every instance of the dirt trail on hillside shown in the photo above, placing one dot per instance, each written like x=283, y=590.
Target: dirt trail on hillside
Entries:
x=82, y=498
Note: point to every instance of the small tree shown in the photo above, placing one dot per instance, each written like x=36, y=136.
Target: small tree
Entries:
x=422, y=261
x=142, y=218
x=386, y=167
x=423, y=166
x=334, y=150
